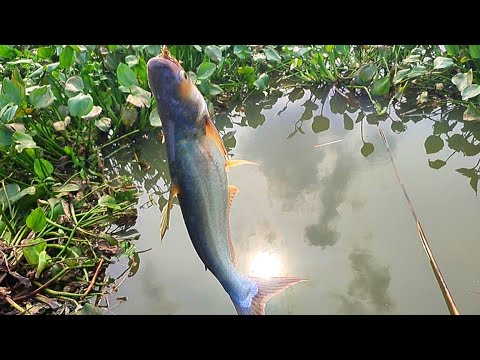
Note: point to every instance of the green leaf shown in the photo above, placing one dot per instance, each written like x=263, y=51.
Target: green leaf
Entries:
x=474, y=51
x=246, y=70
x=65, y=188
x=470, y=91
x=42, y=97
x=43, y=168
x=23, y=141
x=36, y=220
x=452, y=50
x=27, y=191
x=17, y=79
x=213, y=52
x=139, y=97
x=473, y=175
x=8, y=112
x=442, y=127
x=437, y=164
x=6, y=52
x=417, y=71
x=32, y=252
x=463, y=80
x=242, y=51
x=104, y=124
x=215, y=90
x=50, y=67
x=433, y=144
x=347, y=122
x=7, y=192
x=74, y=85
x=366, y=73
x=43, y=259
x=12, y=92
x=398, y=127
x=45, y=52
x=205, y=70
x=367, y=149
x=5, y=136
x=442, y=62
x=456, y=142
x=128, y=116
x=80, y=104
x=343, y=49
x=89, y=309
x=192, y=76
x=400, y=76
x=67, y=58
x=272, y=55
x=320, y=123
x=96, y=110
x=262, y=82
x=467, y=172
x=154, y=49
x=131, y=60
x=381, y=87
x=126, y=76
x=154, y=118
x=471, y=113
x=108, y=201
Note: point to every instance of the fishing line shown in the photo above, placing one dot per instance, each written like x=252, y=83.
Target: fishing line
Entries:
x=452, y=308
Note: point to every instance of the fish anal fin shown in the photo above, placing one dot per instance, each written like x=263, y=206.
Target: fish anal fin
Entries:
x=174, y=191
x=212, y=133
x=232, y=163
x=232, y=191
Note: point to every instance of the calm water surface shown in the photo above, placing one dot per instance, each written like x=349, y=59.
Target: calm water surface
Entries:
x=329, y=214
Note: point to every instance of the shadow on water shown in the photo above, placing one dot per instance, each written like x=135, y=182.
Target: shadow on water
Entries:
x=287, y=124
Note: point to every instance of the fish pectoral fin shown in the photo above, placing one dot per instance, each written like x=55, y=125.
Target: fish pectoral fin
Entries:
x=174, y=191
x=232, y=163
x=232, y=191
x=212, y=132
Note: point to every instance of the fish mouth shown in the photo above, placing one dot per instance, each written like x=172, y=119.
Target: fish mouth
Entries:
x=163, y=62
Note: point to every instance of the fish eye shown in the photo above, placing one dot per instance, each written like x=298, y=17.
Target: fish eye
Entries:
x=184, y=75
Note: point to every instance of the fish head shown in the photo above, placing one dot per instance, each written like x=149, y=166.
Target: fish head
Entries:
x=178, y=99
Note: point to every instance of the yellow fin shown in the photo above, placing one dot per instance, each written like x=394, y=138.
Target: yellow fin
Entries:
x=174, y=190
x=232, y=163
x=212, y=132
x=232, y=191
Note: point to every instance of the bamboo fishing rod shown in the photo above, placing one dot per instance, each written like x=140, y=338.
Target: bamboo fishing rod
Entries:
x=452, y=308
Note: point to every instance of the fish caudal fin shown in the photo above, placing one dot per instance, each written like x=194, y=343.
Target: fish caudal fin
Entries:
x=267, y=287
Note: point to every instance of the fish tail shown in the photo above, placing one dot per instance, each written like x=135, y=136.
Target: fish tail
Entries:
x=267, y=287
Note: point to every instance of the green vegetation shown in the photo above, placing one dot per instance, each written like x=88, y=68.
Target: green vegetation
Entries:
x=65, y=109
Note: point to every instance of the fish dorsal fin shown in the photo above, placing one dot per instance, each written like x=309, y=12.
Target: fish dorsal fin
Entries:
x=212, y=132
x=232, y=191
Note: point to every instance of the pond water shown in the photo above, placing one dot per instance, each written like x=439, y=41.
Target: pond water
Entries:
x=334, y=214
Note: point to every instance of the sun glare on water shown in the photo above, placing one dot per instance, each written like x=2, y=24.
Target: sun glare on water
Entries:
x=266, y=265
